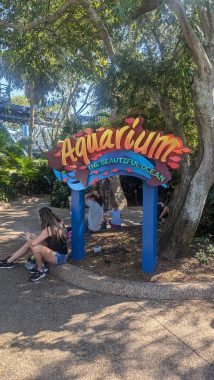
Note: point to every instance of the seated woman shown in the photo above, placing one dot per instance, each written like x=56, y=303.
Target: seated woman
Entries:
x=115, y=217
x=49, y=246
x=94, y=201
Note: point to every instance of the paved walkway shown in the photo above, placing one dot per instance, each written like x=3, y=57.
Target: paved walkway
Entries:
x=50, y=330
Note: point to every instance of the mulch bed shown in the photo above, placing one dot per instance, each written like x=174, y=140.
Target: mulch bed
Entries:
x=120, y=257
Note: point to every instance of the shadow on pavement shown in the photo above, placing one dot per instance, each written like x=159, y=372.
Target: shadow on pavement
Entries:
x=67, y=333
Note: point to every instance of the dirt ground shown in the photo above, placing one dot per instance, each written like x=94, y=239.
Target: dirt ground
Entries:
x=120, y=257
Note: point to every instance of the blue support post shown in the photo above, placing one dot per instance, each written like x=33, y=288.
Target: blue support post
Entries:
x=78, y=225
x=149, y=228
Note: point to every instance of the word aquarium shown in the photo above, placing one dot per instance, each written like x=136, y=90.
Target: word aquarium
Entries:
x=91, y=156
x=153, y=145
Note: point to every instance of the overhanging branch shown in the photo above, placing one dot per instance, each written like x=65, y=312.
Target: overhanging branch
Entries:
x=89, y=10
x=145, y=7
x=198, y=52
x=23, y=28
x=102, y=30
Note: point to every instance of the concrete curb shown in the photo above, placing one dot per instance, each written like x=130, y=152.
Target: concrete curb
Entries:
x=144, y=290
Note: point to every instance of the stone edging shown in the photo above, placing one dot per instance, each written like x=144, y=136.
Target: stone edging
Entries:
x=144, y=290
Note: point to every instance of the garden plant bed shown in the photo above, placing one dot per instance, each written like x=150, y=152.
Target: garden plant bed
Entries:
x=120, y=257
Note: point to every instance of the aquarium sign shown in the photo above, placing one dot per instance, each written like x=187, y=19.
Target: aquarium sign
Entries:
x=90, y=156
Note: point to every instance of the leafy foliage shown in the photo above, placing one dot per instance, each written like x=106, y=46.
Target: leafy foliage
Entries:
x=206, y=250
x=60, y=194
x=20, y=100
x=154, y=74
x=18, y=174
x=30, y=180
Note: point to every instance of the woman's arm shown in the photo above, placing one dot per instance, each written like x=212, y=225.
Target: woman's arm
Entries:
x=164, y=212
x=42, y=236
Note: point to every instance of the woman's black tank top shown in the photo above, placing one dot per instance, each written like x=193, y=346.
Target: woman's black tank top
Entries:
x=59, y=246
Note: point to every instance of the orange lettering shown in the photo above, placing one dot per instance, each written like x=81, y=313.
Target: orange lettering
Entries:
x=81, y=150
x=105, y=140
x=158, y=140
x=139, y=140
x=172, y=144
x=119, y=134
x=92, y=144
x=129, y=142
x=145, y=146
x=67, y=151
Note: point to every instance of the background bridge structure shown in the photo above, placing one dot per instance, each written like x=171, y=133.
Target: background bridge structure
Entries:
x=11, y=113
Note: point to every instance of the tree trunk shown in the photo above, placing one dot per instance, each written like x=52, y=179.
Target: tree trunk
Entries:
x=31, y=127
x=118, y=194
x=187, y=207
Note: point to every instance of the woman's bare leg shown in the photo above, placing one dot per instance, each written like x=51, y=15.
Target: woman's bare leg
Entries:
x=21, y=251
x=43, y=254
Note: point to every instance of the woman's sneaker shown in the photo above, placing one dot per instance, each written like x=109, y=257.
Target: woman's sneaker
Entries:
x=37, y=276
x=4, y=263
x=44, y=268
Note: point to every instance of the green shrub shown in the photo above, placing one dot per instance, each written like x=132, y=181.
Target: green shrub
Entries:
x=19, y=175
x=206, y=249
x=7, y=190
x=31, y=177
x=3, y=196
x=45, y=175
x=35, y=177
x=60, y=194
x=202, y=257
